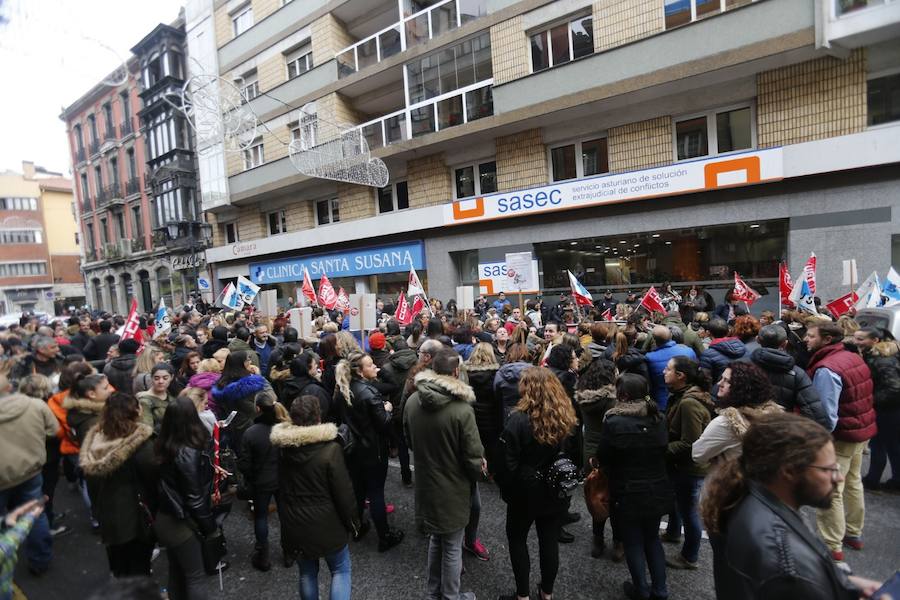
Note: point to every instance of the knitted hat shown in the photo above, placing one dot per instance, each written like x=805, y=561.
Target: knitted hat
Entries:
x=377, y=341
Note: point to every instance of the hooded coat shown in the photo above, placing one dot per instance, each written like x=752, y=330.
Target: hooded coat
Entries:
x=295, y=386
x=317, y=507
x=81, y=415
x=440, y=424
x=793, y=387
x=258, y=460
x=689, y=412
x=25, y=425
x=631, y=362
x=395, y=371
x=488, y=413
x=593, y=405
x=720, y=353
x=121, y=473
x=723, y=437
x=120, y=372
x=506, y=386
x=240, y=395
x=885, y=367
x=657, y=361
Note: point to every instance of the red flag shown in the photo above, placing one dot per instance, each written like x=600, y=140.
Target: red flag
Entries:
x=343, y=301
x=607, y=315
x=414, y=286
x=842, y=304
x=403, y=314
x=809, y=272
x=785, y=285
x=652, y=302
x=418, y=306
x=744, y=292
x=132, y=323
x=309, y=292
x=327, y=297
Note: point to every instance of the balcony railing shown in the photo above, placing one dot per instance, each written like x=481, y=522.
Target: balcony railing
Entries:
x=125, y=127
x=80, y=155
x=411, y=31
x=95, y=146
x=436, y=114
x=138, y=244
x=110, y=134
x=846, y=6
x=132, y=186
x=87, y=206
x=90, y=255
x=114, y=192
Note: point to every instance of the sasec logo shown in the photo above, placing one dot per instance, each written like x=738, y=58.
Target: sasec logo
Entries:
x=529, y=200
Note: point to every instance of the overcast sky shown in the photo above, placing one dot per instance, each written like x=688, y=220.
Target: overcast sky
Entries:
x=51, y=53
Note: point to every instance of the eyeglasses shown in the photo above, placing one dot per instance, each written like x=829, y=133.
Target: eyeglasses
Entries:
x=835, y=470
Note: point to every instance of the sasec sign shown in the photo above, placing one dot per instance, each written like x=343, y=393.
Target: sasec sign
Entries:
x=365, y=261
x=680, y=178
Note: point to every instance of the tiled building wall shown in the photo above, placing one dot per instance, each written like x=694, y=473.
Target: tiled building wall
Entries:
x=428, y=180
x=328, y=36
x=299, y=215
x=521, y=160
x=271, y=72
x=821, y=98
x=224, y=32
x=640, y=145
x=618, y=22
x=356, y=201
x=509, y=51
x=250, y=222
x=264, y=8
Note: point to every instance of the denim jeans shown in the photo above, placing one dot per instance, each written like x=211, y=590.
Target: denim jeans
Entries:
x=687, y=502
x=474, y=515
x=261, y=515
x=338, y=563
x=39, y=543
x=187, y=578
x=885, y=446
x=444, y=565
x=640, y=537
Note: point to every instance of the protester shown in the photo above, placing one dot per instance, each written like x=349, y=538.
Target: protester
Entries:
x=844, y=383
x=122, y=475
x=236, y=390
x=155, y=400
x=746, y=329
x=208, y=373
x=666, y=349
x=149, y=357
x=535, y=434
x=190, y=362
x=97, y=347
x=44, y=359
x=17, y=525
x=263, y=343
x=482, y=368
x=506, y=381
x=304, y=381
x=729, y=309
x=120, y=370
x=632, y=449
x=443, y=435
x=722, y=350
x=625, y=356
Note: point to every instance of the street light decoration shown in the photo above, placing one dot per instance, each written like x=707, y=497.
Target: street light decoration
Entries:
x=216, y=110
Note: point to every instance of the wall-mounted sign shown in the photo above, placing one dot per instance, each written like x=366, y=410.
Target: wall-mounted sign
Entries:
x=494, y=278
x=353, y=263
x=181, y=262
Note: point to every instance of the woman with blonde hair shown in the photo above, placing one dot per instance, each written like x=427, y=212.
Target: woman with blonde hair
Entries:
x=151, y=356
x=536, y=433
x=346, y=344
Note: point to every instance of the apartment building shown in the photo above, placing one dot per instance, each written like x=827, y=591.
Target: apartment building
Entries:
x=132, y=158
x=39, y=269
x=631, y=141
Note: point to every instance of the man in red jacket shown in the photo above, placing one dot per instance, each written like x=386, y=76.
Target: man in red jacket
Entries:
x=844, y=383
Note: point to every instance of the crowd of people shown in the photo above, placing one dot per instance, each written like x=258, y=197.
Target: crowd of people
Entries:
x=718, y=419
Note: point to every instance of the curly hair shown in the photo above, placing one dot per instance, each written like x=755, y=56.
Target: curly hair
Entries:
x=120, y=416
x=749, y=386
x=548, y=407
x=773, y=442
x=346, y=344
x=600, y=372
x=746, y=328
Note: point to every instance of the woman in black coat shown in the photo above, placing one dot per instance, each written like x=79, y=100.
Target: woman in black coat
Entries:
x=632, y=449
x=305, y=381
x=482, y=368
x=184, y=451
x=317, y=508
x=121, y=472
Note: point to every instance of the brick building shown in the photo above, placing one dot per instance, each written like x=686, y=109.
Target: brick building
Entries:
x=631, y=141
x=39, y=268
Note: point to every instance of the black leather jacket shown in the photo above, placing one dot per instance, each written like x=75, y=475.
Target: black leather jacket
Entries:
x=768, y=553
x=186, y=485
x=369, y=421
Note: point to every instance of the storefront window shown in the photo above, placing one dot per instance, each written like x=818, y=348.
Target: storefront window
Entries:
x=165, y=284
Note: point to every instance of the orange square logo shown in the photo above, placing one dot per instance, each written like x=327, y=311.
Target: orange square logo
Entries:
x=749, y=165
x=460, y=213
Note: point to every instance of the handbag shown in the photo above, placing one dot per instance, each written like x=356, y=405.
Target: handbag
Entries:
x=560, y=476
x=596, y=493
x=213, y=549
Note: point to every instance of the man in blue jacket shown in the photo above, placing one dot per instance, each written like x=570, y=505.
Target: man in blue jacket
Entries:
x=722, y=349
x=659, y=358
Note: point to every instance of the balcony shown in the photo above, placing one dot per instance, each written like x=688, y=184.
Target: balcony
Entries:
x=110, y=135
x=80, y=155
x=87, y=206
x=138, y=244
x=132, y=186
x=411, y=31
x=114, y=193
x=101, y=198
x=94, y=147
x=856, y=23
x=126, y=128
x=90, y=255
x=436, y=114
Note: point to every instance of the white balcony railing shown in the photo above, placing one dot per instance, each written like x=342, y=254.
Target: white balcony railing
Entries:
x=415, y=29
x=843, y=7
x=435, y=114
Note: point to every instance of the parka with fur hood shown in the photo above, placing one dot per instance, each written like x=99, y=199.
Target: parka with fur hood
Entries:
x=687, y=415
x=317, y=506
x=723, y=437
x=883, y=362
x=440, y=425
x=81, y=415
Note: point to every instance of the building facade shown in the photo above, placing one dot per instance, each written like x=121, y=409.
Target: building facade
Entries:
x=631, y=141
x=39, y=270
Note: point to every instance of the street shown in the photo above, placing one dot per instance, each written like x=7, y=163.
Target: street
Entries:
x=80, y=565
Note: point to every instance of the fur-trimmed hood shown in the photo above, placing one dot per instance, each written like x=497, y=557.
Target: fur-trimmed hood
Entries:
x=243, y=387
x=885, y=349
x=288, y=435
x=739, y=418
x=279, y=374
x=435, y=391
x=83, y=404
x=630, y=409
x=100, y=457
x=593, y=396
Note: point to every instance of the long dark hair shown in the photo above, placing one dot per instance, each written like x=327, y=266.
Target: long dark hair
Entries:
x=633, y=388
x=693, y=374
x=301, y=364
x=181, y=426
x=599, y=373
x=119, y=417
x=72, y=373
x=185, y=370
x=234, y=368
x=84, y=383
x=328, y=349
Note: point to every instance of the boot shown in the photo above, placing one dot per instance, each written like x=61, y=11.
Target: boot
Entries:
x=260, y=558
x=598, y=546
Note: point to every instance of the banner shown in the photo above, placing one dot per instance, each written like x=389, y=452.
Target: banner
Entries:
x=417, y=307
x=403, y=314
x=579, y=292
x=163, y=324
x=802, y=296
x=785, y=285
x=230, y=298
x=652, y=302
x=247, y=290
x=327, y=297
x=744, y=292
x=309, y=292
x=809, y=273
x=414, y=287
x=343, y=301
x=842, y=304
x=132, y=323
x=891, y=288
x=869, y=292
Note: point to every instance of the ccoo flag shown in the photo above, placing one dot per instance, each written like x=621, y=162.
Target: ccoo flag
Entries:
x=652, y=302
x=414, y=287
x=785, y=285
x=579, y=292
x=809, y=273
x=327, y=297
x=343, y=301
x=403, y=314
x=744, y=292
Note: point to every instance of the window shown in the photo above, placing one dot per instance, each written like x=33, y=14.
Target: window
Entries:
x=114, y=171
x=249, y=85
x=90, y=237
x=682, y=12
x=98, y=178
x=298, y=61
x=92, y=122
x=85, y=190
x=715, y=132
x=253, y=156
x=277, y=222
x=883, y=99
x=579, y=159
x=393, y=197
x=242, y=19
x=132, y=164
x=327, y=211
x=119, y=220
x=137, y=223
x=126, y=107
x=21, y=236
x=475, y=180
x=104, y=231
x=18, y=203
x=562, y=43
x=79, y=141
x=108, y=120
x=231, y=233
x=23, y=269
x=450, y=69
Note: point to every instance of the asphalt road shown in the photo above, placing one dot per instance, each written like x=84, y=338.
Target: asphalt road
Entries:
x=80, y=565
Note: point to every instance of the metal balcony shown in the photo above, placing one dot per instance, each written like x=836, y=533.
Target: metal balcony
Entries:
x=94, y=147
x=80, y=156
x=132, y=186
x=126, y=128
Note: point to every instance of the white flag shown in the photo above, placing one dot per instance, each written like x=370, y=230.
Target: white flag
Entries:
x=246, y=289
x=869, y=293
x=414, y=287
x=802, y=296
x=230, y=298
x=891, y=288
